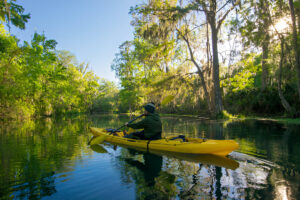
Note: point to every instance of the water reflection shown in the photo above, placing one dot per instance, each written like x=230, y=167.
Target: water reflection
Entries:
x=272, y=172
x=165, y=177
x=150, y=168
x=33, y=152
x=145, y=169
x=51, y=159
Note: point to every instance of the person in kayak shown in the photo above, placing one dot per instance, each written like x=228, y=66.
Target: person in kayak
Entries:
x=151, y=124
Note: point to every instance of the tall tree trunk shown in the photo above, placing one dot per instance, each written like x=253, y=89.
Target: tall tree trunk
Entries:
x=295, y=44
x=284, y=102
x=205, y=91
x=264, y=64
x=218, y=108
x=262, y=13
x=210, y=10
x=208, y=51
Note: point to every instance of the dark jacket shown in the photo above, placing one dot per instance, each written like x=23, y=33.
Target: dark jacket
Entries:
x=151, y=124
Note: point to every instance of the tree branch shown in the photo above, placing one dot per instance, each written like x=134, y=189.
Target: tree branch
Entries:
x=223, y=6
x=190, y=50
x=225, y=15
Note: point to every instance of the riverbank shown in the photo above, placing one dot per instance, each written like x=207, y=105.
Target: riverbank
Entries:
x=278, y=120
x=281, y=120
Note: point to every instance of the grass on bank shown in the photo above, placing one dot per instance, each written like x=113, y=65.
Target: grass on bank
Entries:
x=226, y=115
x=277, y=119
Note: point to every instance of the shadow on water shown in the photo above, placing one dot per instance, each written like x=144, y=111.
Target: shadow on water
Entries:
x=51, y=159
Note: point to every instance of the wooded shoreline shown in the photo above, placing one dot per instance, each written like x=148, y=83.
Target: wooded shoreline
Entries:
x=221, y=63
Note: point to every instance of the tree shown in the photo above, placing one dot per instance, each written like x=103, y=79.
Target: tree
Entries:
x=254, y=27
x=10, y=12
x=296, y=46
x=130, y=73
x=37, y=80
x=161, y=20
x=213, y=11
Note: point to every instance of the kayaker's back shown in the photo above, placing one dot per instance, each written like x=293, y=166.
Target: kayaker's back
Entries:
x=153, y=129
x=151, y=124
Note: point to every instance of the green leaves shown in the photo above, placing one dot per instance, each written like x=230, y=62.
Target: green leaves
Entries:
x=35, y=79
x=11, y=12
x=245, y=75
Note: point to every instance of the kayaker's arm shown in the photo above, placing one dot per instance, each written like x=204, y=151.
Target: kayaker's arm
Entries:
x=139, y=125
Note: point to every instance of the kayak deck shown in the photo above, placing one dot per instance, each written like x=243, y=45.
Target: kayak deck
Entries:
x=191, y=146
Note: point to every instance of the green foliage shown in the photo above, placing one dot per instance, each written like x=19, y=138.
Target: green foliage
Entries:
x=254, y=101
x=107, y=100
x=36, y=80
x=157, y=62
x=225, y=115
x=244, y=75
x=10, y=12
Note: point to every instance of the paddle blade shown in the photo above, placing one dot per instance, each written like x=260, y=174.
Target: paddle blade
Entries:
x=167, y=99
x=98, y=140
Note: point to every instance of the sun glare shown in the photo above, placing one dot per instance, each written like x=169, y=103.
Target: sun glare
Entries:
x=281, y=26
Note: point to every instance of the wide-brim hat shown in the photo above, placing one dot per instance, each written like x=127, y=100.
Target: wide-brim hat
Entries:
x=150, y=107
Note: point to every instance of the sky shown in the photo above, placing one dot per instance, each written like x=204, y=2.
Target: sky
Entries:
x=92, y=29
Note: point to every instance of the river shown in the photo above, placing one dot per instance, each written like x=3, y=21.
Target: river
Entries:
x=51, y=159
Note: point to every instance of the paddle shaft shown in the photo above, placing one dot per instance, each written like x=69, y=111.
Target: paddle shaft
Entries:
x=130, y=122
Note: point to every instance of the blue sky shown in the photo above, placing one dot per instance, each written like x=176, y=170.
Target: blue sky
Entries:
x=92, y=29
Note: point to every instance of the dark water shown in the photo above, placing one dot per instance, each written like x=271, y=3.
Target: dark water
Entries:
x=50, y=159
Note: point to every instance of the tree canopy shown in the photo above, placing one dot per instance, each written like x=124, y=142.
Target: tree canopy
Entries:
x=241, y=56
x=177, y=49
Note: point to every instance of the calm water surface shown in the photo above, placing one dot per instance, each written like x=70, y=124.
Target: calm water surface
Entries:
x=51, y=159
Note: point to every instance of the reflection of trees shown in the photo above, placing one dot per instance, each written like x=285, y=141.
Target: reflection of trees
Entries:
x=259, y=178
x=145, y=170
x=255, y=178
x=269, y=140
x=32, y=152
x=272, y=141
x=193, y=180
x=200, y=181
x=150, y=168
x=37, y=187
x=192, y=127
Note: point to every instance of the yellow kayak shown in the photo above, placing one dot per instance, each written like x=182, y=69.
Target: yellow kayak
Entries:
x=190, y=146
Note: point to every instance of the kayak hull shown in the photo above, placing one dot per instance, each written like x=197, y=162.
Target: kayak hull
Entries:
x=192, y=146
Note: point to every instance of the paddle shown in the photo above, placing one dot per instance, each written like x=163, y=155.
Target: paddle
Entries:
x=113, y=131
x=101, y=138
